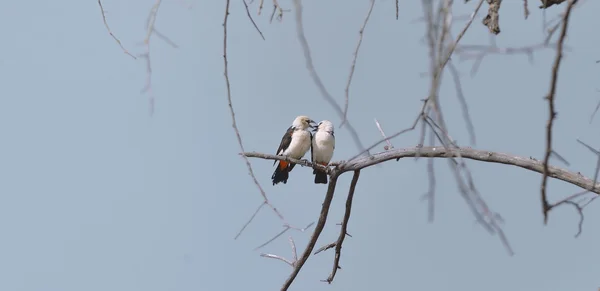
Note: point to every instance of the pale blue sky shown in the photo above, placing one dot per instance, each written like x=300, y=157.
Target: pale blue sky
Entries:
x=98, y=195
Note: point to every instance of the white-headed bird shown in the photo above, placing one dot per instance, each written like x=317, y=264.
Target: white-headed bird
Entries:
x=295, y=143
x=323, y=144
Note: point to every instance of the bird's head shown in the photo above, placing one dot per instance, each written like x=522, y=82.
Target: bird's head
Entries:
x=303, y=122
x=324, y=125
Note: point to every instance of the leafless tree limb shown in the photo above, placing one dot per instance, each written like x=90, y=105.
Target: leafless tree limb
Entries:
x=286, y=227
x=252, y=19
x=289, y=262
x=430, y=195
x=317, y=232
x=478, y=52
x=360, y=38
x=344, y=229
x=110, y=32
x=552, y=112
x=527, y=163
x=463, y=102
x=428, y=152
x=150, y=30
x=315, y=77
x=238, y=135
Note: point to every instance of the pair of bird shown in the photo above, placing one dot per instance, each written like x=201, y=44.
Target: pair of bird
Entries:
x=298, y=139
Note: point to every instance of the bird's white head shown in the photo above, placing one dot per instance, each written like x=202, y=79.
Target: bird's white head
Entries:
x=303, y=122
x=325, y=125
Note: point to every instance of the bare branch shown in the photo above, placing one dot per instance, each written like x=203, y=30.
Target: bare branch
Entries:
x=146, y=56
x=463, y=102
x=344, y=228
x=110, y=32
x=237, y=131
x=316, y=79
x=527, y=163
x=252, y=19
x=360, y=38
x=387, y=139
x=318, y=229
x=286, y=227
x=430, y=195
x=552, y=113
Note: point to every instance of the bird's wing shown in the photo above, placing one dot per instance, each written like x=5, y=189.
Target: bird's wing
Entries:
x=286, y=140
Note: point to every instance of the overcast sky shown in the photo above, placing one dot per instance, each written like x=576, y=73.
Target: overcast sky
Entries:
x=96, y=194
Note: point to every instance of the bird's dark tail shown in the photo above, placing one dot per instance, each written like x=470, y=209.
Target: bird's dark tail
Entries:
x=282, y=173
x=320, y=177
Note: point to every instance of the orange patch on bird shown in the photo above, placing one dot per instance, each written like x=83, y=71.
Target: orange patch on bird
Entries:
x=283, y=164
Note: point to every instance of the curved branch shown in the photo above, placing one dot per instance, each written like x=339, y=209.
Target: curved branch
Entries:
x=344, y=228
x=318, y=229
x=528, y=163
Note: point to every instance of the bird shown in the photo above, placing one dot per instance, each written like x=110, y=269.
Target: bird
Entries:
x=295, y=143
x=323, y=144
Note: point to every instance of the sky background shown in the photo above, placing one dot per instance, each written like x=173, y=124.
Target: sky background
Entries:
x=96, y=194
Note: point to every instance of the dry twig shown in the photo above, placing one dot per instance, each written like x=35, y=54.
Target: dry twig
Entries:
x=428, y=152
x=552, y=112
x=360, y=38
x=110, y=32
x=252, y=19
x=239, y=137
x=344, y=229
x=389, y=144
x=315, y=77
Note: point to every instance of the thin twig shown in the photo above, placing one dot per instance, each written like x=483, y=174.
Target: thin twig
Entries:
x=252, y=19
x=552, y=113
x=110, y=32
x=146, y=56
x=360, y=39
x=236, y=129
x=463, y=102
x=430, y=195
x=389, y=144
x=315, y=77
x=344, y=228
x=316, y=233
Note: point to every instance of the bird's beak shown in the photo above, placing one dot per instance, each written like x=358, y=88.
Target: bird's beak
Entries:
x=312, y=124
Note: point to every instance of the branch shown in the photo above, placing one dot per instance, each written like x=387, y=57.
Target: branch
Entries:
x=110, y=32
x=315, y=77
x=552, y=113
x=239, y=137
x=318, y=229
x=527, y=163
x=343, y=231
x=252, y=19
x=360, y=38
x=149, y=32
x=294, y=254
